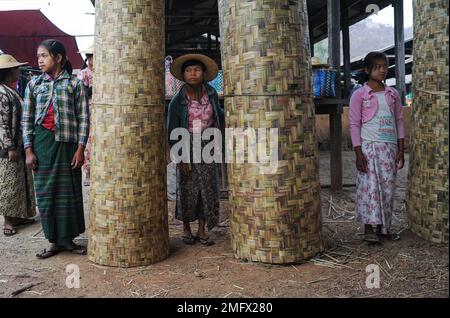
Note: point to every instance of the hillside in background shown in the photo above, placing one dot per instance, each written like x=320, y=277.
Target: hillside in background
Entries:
x=365, y=36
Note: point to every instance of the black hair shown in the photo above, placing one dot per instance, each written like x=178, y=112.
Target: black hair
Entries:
x=4, y=73
x=192, y=63
x=55, y=47
x=369, y=62
x=85, y=62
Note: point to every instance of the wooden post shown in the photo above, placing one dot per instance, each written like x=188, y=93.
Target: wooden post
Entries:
x=334, y=33
x=399, y=49
x=334, y=52
x=346, y=52
x=128, y=221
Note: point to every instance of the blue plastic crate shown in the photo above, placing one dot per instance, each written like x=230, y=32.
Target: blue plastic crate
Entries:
x=324, y=82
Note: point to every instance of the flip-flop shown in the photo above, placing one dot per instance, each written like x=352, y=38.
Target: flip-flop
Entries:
x=188, y=240
x=48, y=253
x=390, y=236
x=9, y=232
x=204, y=241
x=76, y=249
x=372, y=238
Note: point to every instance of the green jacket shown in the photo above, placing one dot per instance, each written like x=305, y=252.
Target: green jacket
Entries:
x=177, y=113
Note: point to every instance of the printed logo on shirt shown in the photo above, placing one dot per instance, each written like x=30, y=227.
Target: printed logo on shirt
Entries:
x=386, y=130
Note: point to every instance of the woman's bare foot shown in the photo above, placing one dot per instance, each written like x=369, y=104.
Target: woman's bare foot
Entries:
x=201, y=235
x=52, y=250
x=8, y=227
x=187, y=237
x=76, y=249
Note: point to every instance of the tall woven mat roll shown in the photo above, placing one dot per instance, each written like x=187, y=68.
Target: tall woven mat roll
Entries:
x=427, y=194
x=275, y=218
x=128, y=223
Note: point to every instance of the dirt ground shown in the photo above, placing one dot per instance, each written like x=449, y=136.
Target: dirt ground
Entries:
x=410, y=267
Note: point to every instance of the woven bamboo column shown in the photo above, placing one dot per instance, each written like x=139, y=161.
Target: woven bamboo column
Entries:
x=128, y=223
x=275, y=218
x=427, y=196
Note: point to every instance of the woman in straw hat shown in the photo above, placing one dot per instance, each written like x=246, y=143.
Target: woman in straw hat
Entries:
x=55, y=132
x=195, y=108
x=17, y=202
x=86, y=75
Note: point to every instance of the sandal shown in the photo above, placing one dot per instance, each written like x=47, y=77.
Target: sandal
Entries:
x=204, y=241
x=48, y=253
x=9, y=232
x=76, y=249
x=188, y=240
x=372, y=238
x=390, y=236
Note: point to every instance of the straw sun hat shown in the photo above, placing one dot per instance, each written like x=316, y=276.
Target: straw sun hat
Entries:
x=8, y=61
x=89, y=50
x=211, y=67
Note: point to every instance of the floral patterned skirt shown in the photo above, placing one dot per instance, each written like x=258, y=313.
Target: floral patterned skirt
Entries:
x=17, y=197
x=375, y=189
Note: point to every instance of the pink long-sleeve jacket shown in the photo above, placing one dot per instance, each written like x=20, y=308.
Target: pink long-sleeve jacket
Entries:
x=364, y=105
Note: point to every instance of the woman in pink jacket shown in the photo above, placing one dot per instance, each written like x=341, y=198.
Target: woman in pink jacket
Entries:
x=377, y=132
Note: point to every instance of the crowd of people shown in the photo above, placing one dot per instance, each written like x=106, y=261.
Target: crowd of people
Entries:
x=45, y=142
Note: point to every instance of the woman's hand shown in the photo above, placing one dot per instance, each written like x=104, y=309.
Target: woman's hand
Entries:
x=400, y=160
x=13, y=155
x=30, y=159
x=361, y=161
x=78, y=158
